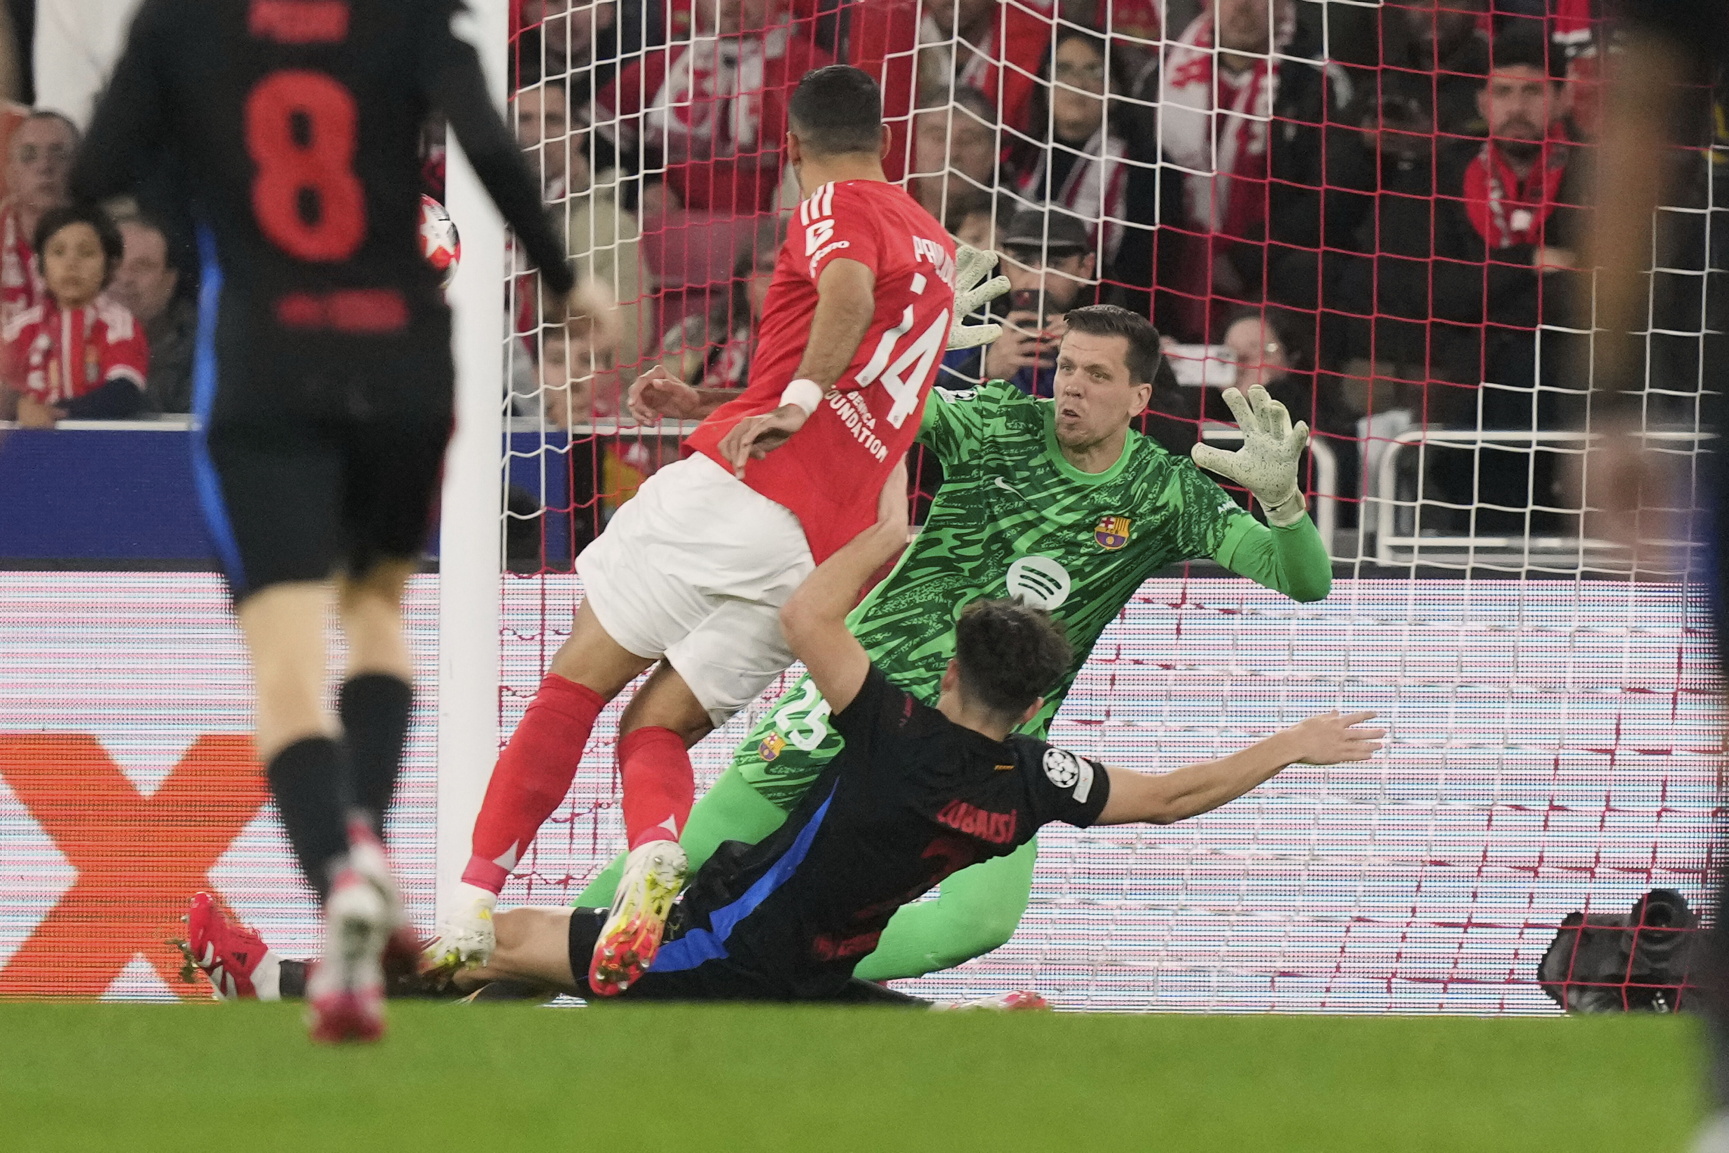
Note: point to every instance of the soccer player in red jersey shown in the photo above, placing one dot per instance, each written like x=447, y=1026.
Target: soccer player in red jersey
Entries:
x=690, y=575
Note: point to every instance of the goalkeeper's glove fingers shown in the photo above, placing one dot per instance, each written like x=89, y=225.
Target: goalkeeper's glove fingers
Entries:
x=1266, y=465
x=963, y=335
x=971, y=266
x=971, y=300
x=973, y=292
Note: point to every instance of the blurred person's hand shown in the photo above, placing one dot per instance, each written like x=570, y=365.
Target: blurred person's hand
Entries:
x=1548, y=258
x=1627, y=488
x=1051, y=336
x=659, y=200
x=555, y=307
x=32, y=413
x=590, y=316
x=1017, y=348
x=657, y=393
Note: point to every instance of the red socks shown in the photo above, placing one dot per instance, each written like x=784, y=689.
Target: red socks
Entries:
x=535, y=770
x=658, y=782
x=531, y=778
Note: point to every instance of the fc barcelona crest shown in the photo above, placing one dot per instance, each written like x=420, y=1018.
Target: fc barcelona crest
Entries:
x=770, y=746
x=1112, y=532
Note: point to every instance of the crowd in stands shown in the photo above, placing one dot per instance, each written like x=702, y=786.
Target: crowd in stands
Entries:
x=1371, y=209
x=94, y=322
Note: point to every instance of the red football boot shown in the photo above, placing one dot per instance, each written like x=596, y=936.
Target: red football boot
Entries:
x=235, y=959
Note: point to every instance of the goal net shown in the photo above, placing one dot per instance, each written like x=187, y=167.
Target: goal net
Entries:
x=1372, y=210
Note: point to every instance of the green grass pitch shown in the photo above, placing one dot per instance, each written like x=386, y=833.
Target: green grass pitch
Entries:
x=455, y=1079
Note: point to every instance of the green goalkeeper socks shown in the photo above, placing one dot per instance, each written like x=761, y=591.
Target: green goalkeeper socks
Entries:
x=975, y=911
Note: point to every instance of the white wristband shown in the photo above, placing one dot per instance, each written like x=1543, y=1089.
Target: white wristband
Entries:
x=807, y=394
x=1288, y=512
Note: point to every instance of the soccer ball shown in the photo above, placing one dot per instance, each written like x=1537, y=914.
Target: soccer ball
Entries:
x=439, y=240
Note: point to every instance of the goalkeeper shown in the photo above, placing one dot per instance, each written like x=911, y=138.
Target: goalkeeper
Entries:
x=1054, y=501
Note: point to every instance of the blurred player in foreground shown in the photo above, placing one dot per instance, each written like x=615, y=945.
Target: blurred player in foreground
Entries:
x=323, y=379
x=1669, y=55
x=689, y=576
x=917, y=793
x=1057, y=502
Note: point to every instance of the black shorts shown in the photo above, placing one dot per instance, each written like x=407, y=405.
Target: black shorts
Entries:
x=711, y=981
x=303, y=499
x=718, y=979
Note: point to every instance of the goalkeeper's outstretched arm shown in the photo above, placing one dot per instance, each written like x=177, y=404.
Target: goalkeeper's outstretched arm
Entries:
x=1290, y=555
x=1166, y=798
x=1291, y=559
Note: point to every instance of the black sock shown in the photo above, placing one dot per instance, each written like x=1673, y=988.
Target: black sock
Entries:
x=375, y=708
x=410, y=984
x=309, y=780
x=293, y=980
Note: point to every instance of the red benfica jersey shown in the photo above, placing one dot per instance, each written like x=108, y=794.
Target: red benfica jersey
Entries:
x=59, y=356
x=830, y=471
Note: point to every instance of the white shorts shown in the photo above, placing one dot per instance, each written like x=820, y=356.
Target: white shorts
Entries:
x=695, y=569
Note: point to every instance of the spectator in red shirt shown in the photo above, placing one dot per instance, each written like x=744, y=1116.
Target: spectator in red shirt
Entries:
x=706, y=116
x=74, y=354
x=1248, y=108
x=915, y=47
x=37, y=164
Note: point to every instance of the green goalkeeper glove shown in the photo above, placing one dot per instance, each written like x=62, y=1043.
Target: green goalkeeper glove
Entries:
x=972, y=266
x=1266, y=465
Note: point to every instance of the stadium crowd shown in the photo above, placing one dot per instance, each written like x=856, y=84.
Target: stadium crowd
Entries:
x=1372, y=211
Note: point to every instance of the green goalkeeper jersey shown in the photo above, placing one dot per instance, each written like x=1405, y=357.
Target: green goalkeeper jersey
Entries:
x=1015, y=518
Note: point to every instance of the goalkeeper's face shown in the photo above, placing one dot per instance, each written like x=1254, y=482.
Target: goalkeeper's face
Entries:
x=1095, y=394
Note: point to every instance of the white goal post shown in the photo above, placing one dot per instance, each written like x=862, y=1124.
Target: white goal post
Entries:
x=470, y=545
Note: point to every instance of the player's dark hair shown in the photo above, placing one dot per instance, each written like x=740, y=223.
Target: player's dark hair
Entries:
x=837, y=109
x=1010, y=654
x=144, y=218
x=1145, y=357
x=55, y=219
x=1523, y=44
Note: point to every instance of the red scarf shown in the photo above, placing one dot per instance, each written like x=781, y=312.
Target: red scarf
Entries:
x=1215, y=125
x=1505, y=209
